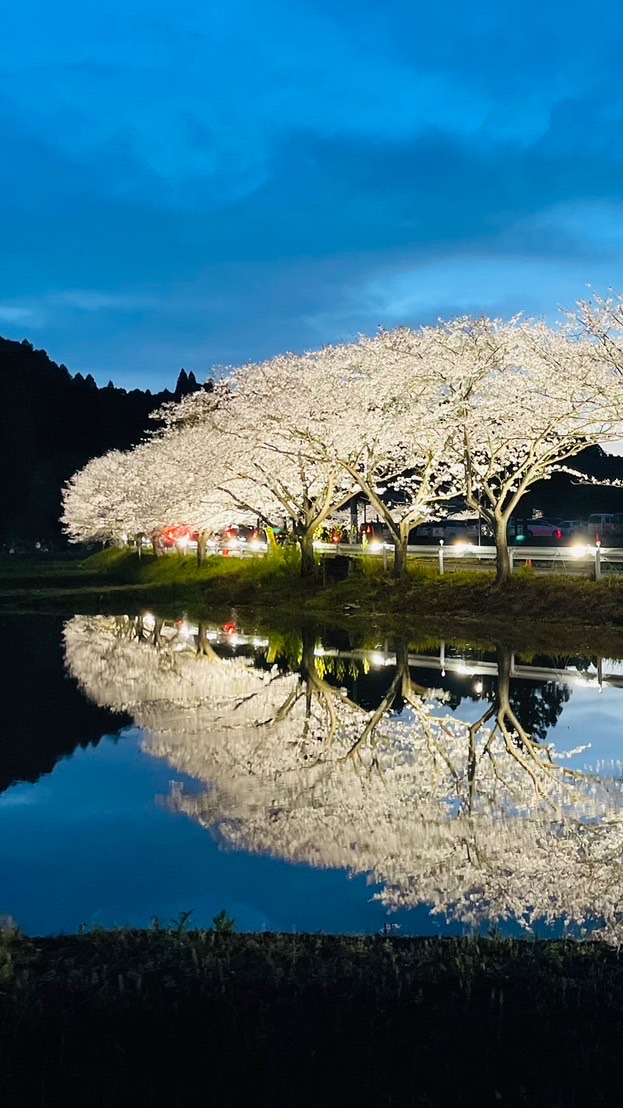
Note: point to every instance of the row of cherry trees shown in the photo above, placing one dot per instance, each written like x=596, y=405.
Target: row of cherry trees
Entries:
x=476, y=409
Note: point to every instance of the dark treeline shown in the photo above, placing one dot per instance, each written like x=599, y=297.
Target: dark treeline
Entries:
x=50, y=425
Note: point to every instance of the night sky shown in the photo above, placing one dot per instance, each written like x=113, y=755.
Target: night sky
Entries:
x=207, y=183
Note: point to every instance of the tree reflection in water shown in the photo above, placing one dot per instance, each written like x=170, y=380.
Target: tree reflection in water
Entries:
x=482, y=821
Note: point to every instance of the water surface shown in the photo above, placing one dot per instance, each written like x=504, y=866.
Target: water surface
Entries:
x=305, y=782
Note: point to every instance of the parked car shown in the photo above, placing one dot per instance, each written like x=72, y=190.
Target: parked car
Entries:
x=450, y=530
x=542, y=529
x=243, y=537
x=571, y=528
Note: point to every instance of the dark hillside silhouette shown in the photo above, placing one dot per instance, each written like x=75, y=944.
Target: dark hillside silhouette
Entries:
x=50, y=425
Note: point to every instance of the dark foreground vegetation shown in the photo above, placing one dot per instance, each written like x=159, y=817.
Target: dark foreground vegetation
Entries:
x=163, y=1016
x=539, y=609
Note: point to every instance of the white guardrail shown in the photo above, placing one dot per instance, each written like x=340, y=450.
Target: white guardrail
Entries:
x=575, y=558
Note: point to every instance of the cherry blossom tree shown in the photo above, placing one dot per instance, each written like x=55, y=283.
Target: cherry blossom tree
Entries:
x=121, y=493
x=177, y=477
x=199, y=468
x=100, y=503
x=600, y=320
x=277, y=415
x=392, y=434
x=525, y=398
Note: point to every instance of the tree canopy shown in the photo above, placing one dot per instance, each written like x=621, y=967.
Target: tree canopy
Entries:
x=476, y=411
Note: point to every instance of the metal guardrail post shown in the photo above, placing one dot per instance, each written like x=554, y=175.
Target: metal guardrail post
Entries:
x=441, y=556
x=511, y=559
x=597, y=561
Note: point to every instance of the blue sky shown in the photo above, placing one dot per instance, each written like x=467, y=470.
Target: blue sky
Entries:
x=210, y=183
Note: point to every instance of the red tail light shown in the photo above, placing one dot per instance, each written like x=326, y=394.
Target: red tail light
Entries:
x=558, y=534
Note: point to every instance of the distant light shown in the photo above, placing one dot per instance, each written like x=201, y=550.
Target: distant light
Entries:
x=375, y=547
x=478, y=687
x=377, y=659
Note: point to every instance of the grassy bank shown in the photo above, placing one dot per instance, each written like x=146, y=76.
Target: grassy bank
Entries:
x=541, y=608
x=301, y=1020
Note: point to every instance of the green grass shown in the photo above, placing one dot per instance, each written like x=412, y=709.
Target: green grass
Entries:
x=537, y=607
x=214, y=1018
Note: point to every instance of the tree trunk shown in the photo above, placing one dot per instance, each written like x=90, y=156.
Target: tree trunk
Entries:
x=400, y=556
x=308, y=562
x=139, y=543
x=202, y=546
x=502, y=561
x=155, y=542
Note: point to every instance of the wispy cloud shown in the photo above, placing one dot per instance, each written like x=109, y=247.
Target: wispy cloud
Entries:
x=96, y=300
x=10, y=313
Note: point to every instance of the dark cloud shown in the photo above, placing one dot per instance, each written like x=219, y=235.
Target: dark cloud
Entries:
x=274, y=181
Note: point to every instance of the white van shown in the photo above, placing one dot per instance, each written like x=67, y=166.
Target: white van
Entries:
x=605, y=524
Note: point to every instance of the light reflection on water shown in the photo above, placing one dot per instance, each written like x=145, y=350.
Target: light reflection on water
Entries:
x=305, y=785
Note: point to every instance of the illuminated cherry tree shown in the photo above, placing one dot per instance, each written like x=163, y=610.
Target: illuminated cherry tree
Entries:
x=100, y=503
x=473, y=409
x=199, y=466
x=390, y=432
x=600, y=319
x=525, y=398
x=278, y=414
x=177, y=478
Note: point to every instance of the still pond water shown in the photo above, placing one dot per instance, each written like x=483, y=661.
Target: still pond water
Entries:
x=305, y=782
